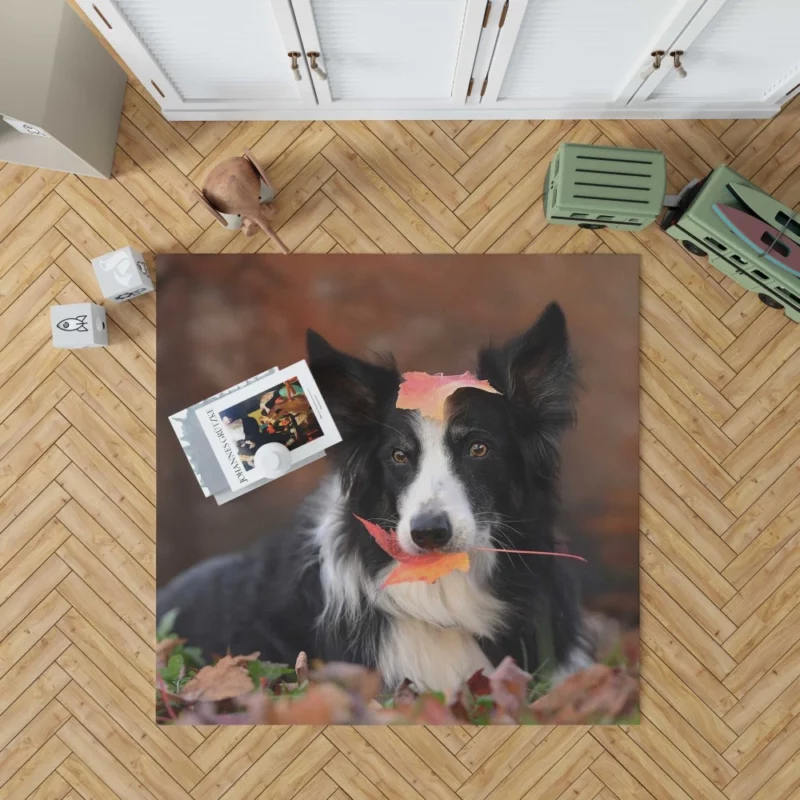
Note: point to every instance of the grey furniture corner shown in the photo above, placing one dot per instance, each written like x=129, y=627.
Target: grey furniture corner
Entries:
x=55, y=75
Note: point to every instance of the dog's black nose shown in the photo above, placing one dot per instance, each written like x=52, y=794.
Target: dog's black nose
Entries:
x=430, y=530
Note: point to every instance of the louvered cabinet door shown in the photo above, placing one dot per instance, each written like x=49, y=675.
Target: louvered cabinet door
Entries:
x=389, y=54
x=578, y=53
x=208, y=54
x=736, y=51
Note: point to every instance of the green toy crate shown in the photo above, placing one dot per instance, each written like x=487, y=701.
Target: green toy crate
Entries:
x=605, y=187
x=697, y=227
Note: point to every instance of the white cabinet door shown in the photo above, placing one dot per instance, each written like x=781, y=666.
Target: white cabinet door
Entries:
x=579, y=53
x=230, y=55
x=390, y=54
x=736, y=51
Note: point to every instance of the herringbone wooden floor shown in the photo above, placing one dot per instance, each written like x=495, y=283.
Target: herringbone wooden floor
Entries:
x=720, y=471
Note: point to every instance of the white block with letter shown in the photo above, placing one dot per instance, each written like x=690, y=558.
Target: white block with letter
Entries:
x=78, y=325
x=122, y=274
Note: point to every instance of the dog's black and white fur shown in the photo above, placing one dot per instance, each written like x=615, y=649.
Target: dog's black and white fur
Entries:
x=485, y=477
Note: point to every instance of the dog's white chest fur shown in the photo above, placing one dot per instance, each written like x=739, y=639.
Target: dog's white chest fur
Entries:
x=430, y=635
x=432, y=658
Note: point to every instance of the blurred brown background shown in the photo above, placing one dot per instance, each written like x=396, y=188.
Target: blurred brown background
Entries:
x=224, y=318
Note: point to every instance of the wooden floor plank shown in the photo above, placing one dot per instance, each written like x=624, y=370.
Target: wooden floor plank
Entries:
x=437, y=143
x=705, y=143
x=152, y=197
x=768, y=542
x=384, y=198
x=684, y=338
x=681, y=552
x=764, y=730
x=526, y=191
x=30, y=529
x=664, y=752
x=768, y=141
x=766, y=509
x=31, y=629
x=153, y=161
x=485, y=160
x=103, y=563
x=30, y=267
x=763, y=474
x=31, y=738
x=159, y=131
x=26, y=198
x=97, y=609
x=112, y=445
x=299, y=152
x=120, y=743
x=681, y=408
x=452, y=127
x=365, y=216
x=108, y=516
x=767, y=585
x=33, y=664
x=42, y=763
x=30, y=413
x=476, y=133
x=704, y=612
x=692, y=458
x=683, y=157
x=12, y=176
x=409, y=187
x=685, y=736
x=419, y=161
x=209, y=134
x=508, y=174
x=697, y=279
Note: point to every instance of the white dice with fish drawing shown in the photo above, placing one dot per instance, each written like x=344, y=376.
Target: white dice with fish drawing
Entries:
x=122, y=274
x=78, y=325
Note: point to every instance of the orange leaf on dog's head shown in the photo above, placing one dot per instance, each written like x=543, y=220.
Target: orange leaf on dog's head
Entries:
x=428, y=393
x=428, y=568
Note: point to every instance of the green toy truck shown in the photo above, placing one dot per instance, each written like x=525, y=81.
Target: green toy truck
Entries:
x=608, y=187
x=605, y=187
x=701, y=231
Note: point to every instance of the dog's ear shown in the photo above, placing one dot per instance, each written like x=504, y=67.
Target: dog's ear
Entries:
x=356, y=391
x=536, y=371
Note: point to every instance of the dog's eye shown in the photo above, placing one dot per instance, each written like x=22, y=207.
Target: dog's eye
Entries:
x=399, y=457
x=478, y=449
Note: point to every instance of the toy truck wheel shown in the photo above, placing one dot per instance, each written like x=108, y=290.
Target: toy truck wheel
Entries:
x=592, y=226
x=693, y=248
x=769, y=301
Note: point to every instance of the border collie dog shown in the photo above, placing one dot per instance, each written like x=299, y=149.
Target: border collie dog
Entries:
x=487, y=475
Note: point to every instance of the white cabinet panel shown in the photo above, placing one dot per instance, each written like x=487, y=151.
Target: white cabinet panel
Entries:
x=571, y=48
x=227, y=50
x=581, y=50
x=426, y=59
x=230, y=54
x=391, y=52
x=748, y=51
x=580, y=53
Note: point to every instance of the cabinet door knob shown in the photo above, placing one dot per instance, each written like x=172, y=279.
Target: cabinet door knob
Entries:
x=296, y=74
x=676, y=60
x=657, y=55
x=313, y=56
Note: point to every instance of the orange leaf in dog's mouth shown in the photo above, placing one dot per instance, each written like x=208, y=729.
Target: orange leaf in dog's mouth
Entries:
x=428, y=567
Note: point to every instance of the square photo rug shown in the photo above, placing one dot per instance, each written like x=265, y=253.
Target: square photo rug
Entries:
x=454, y=536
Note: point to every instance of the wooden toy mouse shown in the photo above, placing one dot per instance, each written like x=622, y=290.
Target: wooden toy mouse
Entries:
x=233, y=187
